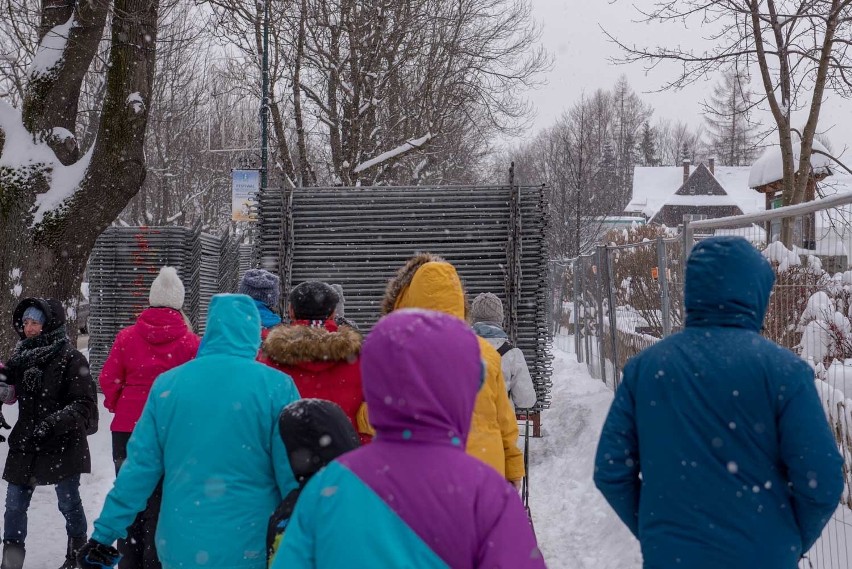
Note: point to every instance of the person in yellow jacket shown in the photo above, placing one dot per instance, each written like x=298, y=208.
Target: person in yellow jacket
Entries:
x=428, y=281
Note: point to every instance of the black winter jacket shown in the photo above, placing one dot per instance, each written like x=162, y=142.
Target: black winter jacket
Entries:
x=66, y=401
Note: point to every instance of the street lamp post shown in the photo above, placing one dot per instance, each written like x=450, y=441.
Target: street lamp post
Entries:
x=264, y=105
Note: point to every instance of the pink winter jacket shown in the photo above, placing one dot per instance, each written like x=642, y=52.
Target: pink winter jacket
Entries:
x=159, y=341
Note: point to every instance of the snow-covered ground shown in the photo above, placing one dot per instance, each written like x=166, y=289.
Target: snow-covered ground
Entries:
x=576, y=528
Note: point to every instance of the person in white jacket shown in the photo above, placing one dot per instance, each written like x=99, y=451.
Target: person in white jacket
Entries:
x=486, y=313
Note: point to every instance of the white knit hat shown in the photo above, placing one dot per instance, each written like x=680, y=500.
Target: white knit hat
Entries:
x=167, y=290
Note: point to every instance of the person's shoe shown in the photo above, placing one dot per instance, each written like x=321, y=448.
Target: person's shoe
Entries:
x=74, y=545
x=13, y=554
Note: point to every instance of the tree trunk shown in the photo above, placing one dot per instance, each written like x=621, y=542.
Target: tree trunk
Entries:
x=48, y=258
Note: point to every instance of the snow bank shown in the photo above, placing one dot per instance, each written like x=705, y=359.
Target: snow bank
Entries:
x=576, y=528
x=769, y=167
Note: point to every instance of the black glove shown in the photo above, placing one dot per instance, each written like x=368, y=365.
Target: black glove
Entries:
x=41, y=430
x=96, y=555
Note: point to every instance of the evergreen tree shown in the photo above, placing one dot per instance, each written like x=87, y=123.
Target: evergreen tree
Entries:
x=647, y=150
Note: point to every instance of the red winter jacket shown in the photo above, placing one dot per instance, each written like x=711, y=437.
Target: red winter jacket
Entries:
x=324, y=364
x=159, y=341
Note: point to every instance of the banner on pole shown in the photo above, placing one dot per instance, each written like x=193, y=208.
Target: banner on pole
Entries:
x=244, y=187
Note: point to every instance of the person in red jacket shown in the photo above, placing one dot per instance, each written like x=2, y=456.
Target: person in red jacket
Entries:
x=159, y=341
x=320, y=356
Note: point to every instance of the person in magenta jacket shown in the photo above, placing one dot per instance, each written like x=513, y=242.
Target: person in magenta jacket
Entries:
x=159, y=341
x=413, y=497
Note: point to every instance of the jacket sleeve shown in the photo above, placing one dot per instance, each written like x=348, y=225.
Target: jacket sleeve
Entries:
x=617, y=459
x=81, y=407
x=286, y=394
x=136, y=480
x=508, y=430
x=509, y=541
x=299, y=541
x=522, y=388
x=814, y=465
x=113, y=375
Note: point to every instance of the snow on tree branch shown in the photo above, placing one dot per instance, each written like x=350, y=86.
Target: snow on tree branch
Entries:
x=399, y=150
x=51, y=50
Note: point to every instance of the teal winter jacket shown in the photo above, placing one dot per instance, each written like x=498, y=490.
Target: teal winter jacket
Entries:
x=209, y=429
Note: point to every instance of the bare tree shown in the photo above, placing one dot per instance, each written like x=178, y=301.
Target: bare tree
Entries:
x=383, y=91
x=54, y=199
x=799, y=48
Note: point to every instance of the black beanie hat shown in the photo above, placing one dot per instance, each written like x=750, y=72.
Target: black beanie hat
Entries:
x=315, y=432
x=313, y=300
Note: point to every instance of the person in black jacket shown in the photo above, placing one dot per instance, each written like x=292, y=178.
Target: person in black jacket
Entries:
x=57, y=409
x=315, y=432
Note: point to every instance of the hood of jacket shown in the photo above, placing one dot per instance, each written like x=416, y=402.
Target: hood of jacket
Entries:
x=53, y=311
x=315, y=432
x=421, y=371
x=426, y=281
x=489, y=330
x=268, y=319
x=159, y=326
x=727, y=284
x=295, y=344
x=233, y=327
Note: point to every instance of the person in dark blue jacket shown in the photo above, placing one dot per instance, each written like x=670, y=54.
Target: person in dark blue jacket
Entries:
x=738, y=466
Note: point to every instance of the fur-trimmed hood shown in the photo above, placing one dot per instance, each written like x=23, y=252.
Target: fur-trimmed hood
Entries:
x=289, y=345
x=426, y=281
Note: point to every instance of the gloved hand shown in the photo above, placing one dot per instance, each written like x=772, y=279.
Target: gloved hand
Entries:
x=96, y=555
x=41, y=430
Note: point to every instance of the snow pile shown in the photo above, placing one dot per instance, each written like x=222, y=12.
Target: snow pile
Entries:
x=51, y=50
x=21, y=153
x=769, y=167
x=575, y=526
x=777, y=253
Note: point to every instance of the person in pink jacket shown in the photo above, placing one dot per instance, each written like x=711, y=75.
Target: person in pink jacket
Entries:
x=160, y=340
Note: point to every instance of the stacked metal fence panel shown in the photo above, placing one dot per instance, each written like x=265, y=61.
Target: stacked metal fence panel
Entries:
x=126, y=260
x=360, y=237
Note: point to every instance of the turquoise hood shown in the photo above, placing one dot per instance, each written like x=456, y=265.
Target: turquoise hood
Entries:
x=727, y=284
x=233, y=327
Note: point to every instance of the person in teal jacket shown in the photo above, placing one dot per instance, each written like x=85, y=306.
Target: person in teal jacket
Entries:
x=210, y=430
x=716, y=451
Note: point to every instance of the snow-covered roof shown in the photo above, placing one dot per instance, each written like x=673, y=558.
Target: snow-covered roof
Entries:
x=768, y=168
x=655, y=186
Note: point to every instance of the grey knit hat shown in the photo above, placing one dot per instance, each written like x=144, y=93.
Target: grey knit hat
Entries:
x=262, y=286
x=486, y=307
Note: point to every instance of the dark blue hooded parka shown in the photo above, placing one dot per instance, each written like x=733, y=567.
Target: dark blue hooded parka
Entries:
x=738, y=466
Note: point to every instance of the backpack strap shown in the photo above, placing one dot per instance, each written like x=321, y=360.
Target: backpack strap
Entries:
x=504, y=349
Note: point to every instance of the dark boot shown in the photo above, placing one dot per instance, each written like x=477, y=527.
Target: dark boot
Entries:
x=74, y=545
x=13, y=554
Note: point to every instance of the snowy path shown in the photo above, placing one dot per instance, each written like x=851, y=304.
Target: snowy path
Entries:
x=575, y=526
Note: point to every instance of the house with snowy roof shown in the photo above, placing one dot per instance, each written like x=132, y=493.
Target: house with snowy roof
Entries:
x=665, y=194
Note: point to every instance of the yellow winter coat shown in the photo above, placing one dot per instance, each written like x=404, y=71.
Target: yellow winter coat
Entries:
x=427, y=281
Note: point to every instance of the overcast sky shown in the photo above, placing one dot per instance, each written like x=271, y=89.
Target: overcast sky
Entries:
x=571, y=32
